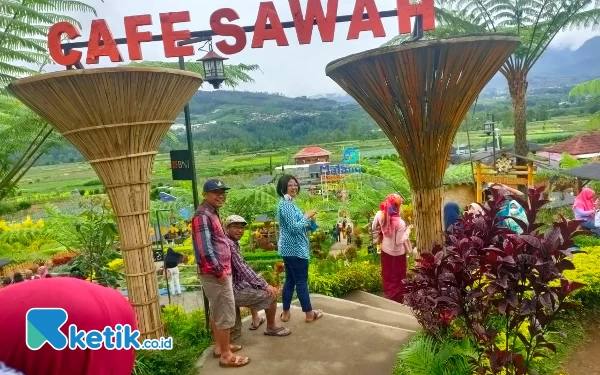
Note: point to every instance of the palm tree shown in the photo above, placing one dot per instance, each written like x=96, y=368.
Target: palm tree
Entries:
x=537, y=22
x=24, y=28
x=235, y=74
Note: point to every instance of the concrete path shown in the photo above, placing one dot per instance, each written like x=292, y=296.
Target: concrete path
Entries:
x=350, y=340
x=338, y=248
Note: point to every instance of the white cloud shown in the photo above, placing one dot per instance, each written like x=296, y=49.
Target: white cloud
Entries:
x=294, y=70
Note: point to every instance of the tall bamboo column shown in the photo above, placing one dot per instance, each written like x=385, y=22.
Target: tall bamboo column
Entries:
x=116, y=117
x=419, y=93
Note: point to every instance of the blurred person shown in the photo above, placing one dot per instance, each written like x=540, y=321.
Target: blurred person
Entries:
x=584, y=209
x=172, y=260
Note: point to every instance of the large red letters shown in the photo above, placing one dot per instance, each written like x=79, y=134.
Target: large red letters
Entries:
x=235, y=31
x=135, y=37
x=314, y=11
x=170, y=36
x=358, y=25
x=100, y=32
x=268, y=14
x=406, y=10
x=101, y=42
x=54, y=38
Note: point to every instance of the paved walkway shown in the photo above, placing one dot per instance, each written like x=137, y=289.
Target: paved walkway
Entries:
x=345, y=341
x=338, y=248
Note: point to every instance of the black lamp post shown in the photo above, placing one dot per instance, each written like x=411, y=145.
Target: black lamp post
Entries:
x=214, y=68
x=489, y=127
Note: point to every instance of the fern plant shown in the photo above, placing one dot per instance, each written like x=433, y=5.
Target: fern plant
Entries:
x=24, y=26
x=423, y=355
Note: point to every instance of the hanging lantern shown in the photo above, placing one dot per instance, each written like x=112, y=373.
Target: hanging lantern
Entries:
x=214, y=68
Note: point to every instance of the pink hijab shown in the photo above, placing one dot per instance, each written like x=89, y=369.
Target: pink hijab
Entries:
x=43, y=271
x=391, y=214
x=585, y=200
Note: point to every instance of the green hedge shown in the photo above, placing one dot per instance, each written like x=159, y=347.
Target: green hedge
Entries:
x=261, y=255
x=587, y=271
x=364, y=276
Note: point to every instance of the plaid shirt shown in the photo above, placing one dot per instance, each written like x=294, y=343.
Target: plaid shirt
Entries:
x=211, y=245
x=244, y=277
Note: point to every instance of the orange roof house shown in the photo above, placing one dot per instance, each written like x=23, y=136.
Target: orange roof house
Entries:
x=312, y=154
x=583, y=146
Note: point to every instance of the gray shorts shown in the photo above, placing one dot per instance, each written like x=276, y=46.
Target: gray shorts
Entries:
x=255, y=299
x=220, y=296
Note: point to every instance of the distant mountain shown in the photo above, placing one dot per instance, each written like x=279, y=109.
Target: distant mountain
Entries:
x=561, y=67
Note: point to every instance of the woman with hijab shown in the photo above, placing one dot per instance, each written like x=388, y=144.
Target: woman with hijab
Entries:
x=88, y=306
x=584, y=210
x=516, y=210
x=392, y=235
x=451, y=215
x=476, y=209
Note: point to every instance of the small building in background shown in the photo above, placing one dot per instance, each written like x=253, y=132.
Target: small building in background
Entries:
x=583, y=146
x=311, y=155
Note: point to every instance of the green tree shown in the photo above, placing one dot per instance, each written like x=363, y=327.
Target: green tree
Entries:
x=587, y=88
x=537, y=22
x=24, y=137
x=235, y=74
x=24, y=28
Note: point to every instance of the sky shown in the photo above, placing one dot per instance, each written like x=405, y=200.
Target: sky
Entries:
x=294, y=70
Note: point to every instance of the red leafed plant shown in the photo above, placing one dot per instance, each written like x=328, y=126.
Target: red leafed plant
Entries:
x=485, y=270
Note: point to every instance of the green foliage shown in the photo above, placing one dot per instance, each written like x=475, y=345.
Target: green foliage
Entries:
x=568, y=162
x=190, y=338
x=423, y=355
x=92, y=234
x=459, y=174
x=344, y=279
x=586, y=271
x=24, y=137
x=586, y=88
x=23, y=33
x=235, y=74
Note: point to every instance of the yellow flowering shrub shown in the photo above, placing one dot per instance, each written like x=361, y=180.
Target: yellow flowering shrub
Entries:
x=587, y=271
x=115, y=265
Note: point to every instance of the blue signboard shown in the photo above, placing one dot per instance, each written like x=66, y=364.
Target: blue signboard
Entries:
x=351, y=156
x=340, y=169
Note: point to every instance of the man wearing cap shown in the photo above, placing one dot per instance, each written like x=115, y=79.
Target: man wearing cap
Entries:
x=249, y=289
x=213, y=256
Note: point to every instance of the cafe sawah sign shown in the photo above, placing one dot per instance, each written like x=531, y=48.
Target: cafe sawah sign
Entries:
x=365, y=18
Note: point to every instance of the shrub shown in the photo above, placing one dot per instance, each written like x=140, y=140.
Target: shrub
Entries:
x=487, y=270
x=190, y=338
x=586, y=272
x=355, y=276
x=423, y=355
x=62, y=258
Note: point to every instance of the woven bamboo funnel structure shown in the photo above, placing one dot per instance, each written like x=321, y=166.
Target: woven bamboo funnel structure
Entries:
x=419, y=93
x=117, y=117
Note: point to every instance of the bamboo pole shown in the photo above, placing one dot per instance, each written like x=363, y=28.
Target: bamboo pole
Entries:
x=116, y=117
x=419, y=93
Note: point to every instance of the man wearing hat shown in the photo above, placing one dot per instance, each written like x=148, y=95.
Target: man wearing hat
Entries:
x=249, y=289
x=213, y=256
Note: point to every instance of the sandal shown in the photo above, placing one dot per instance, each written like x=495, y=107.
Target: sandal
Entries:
x=279, y=332
x=281, y=317
x=316, y=315
x=232, y=347
x=262, y=321
x=235, y=361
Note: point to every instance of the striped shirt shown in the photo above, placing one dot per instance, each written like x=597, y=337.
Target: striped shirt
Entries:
x=211, y=244
x=293, y=230
x=244, y=277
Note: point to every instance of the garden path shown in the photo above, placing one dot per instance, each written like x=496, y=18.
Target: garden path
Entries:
x=584, y=360
x=353, y=338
